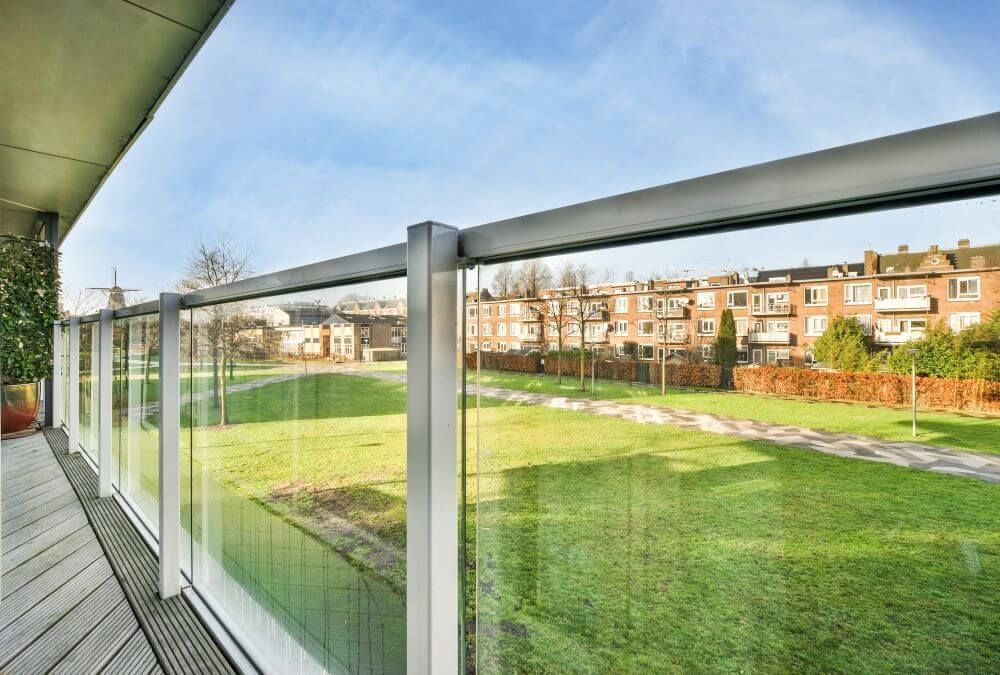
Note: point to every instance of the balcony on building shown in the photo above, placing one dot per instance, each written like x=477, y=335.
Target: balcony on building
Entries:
x=774, y=309
x=676, y=337
x=676, y=312
x=892, y=338
x=783, y=337
x=914, y=304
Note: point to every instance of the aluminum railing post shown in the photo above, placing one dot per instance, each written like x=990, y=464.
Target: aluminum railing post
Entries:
x=432, y=581
x=170, y=465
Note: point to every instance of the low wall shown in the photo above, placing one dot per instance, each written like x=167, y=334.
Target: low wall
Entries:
x=884, y=388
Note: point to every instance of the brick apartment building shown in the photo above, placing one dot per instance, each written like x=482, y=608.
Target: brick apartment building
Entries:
x=779, y=313
x=363, y=337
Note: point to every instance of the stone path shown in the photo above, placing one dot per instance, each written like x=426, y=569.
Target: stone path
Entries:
x=913, y=455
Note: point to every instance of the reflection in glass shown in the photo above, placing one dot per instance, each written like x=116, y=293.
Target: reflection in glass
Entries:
x=64, y=416
x=135, y=414
x=733, y=520
x=295, y=477
x=89, y=354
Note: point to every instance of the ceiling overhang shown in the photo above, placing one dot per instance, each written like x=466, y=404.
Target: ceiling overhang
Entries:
x=79, y=81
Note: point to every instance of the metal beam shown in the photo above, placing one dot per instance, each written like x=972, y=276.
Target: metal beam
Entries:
x=50, y=225
x=170, y=462
x=432, y=581
x=104, y=380
x=941, y=163
x=380, y=263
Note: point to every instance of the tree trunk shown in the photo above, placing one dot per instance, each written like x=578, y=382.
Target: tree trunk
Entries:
x=583, y=361
x=215, y=379
x=223, y=397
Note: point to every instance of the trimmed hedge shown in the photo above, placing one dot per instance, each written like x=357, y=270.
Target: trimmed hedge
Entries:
x=514, y=363
x=689, y=375
x=883, y=388
x=622, y=370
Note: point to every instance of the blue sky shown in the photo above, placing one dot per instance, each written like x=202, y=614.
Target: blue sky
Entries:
x=311, y=129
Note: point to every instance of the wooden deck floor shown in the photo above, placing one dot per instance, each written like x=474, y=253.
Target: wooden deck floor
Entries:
x=62, y=610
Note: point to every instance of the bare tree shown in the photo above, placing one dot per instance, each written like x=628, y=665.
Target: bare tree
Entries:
x=224, y=329
x=533, y=277
x=81, y=301
x=575, y=282
x=504, y=281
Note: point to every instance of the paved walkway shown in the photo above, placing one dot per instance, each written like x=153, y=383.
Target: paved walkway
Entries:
x=914, y=455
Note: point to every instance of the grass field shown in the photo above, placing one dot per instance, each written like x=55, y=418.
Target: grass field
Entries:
x=609, y=546
x=980, y=434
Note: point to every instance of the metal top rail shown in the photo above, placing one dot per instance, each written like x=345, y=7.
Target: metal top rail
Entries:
x=940, y=163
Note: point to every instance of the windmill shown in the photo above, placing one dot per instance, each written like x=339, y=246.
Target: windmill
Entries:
x=116, y=294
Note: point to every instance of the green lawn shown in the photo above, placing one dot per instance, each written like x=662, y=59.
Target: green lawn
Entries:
x=981, y=434
x=606, y=545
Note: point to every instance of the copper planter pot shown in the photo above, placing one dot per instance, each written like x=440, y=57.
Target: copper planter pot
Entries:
x=18, y=408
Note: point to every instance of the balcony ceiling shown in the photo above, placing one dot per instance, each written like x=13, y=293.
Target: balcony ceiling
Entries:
x=78, y=82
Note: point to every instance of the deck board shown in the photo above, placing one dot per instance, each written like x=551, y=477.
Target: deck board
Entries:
x=181, y=643
x=62, y=607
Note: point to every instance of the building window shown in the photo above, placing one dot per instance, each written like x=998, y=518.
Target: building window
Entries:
x=741, y=355
x=621, y=327
x=573, y=329
x=778, y=356
x=485, y=346
x=501, y=346
x=488, y=329
x=501, y=311
x=619, y=350
x=706, y=301
x=809, y=358
x=471, y=312
x=514, y=328
x=645, y=328
x=777, y=326
x=963, y=288
x=737, y=299
x=857, y=294
x=962, y=320
x=646, y=352
x=906, y=292
x=553, y=327
x=741, y=327
x=707, y=352
x=815, y=325
x=644, y=303
x=515, y=309
x=816, y=296
x=706, y=326
x=621, y=305
x=472, y=330
x=501, y=329
x=487, y=310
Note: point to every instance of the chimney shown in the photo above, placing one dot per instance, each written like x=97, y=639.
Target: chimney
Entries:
x=963, y=243
x=933, y=248
x=903, y=248
x=871, y=263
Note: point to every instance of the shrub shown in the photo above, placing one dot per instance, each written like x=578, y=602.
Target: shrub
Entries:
x=978, y=395
x=29, y=304
x=971, y=353
x=516, y=363
x=843, y=345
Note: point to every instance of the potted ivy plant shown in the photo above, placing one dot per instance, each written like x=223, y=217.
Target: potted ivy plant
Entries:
x=29, y=304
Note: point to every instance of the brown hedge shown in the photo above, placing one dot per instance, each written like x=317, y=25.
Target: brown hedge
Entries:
x=884, y=388
x=515, y=363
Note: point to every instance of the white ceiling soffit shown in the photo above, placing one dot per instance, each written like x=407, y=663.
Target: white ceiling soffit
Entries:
x=79, y=81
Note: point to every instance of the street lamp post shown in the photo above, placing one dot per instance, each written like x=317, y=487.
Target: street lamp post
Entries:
x=913, y=387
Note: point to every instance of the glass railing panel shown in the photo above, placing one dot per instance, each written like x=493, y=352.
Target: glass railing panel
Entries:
x=769, y=509
x=135, y=414
x=89, y=354
x=295, y=501
x=64, y=336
